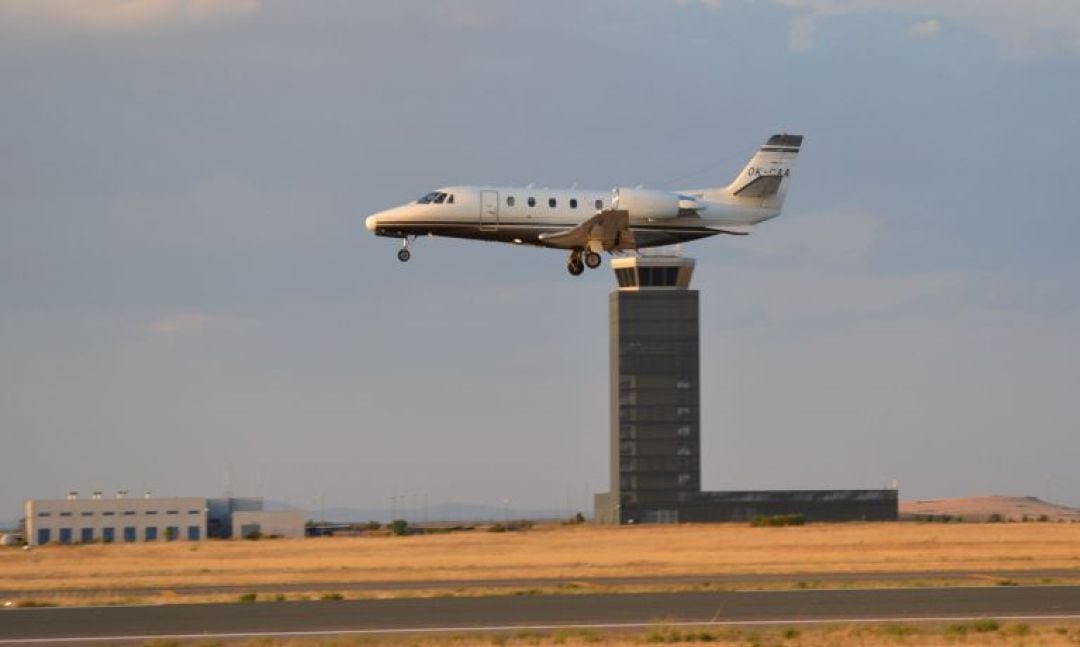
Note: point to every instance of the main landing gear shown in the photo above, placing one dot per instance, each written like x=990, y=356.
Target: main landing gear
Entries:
x=403, y=254
x=580, y=259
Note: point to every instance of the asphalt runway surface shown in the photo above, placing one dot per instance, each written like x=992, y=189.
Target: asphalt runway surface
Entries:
x=89, y=625
x=1027, y=576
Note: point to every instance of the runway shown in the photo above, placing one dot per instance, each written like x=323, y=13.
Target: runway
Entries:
x=82, y=625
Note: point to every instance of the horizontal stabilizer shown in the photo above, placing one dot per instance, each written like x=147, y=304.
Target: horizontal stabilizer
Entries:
x=760, y=187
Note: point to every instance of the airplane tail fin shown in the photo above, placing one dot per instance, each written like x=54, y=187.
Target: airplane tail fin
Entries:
x=764, y=181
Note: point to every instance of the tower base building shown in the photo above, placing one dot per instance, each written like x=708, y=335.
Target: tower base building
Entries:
x=656, y=415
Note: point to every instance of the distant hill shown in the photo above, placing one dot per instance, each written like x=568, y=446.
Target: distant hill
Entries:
x=980, y=508
x=438, y=512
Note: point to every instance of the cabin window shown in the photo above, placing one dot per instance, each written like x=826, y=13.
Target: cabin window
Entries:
x=599, y=204
x=573, y=203
x=429, y=198
x=551, y=202
x=509, y=200
x=440, y=198
x=532, y=202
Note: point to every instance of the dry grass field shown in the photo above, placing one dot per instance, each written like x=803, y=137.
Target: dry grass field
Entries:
x=556, y=552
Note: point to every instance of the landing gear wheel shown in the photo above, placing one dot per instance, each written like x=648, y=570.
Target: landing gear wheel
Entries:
x=403, y=255
x=592, y=260
x=575, y=266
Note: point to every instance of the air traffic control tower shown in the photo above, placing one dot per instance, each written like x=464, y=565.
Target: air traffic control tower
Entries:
x=656, y=415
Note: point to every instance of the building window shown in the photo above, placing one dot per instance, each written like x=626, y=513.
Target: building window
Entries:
x=172, y=512
x=87, y=514
x=129, y=533
x=128, y=513
x=65, y=535
x=599, y=205
x=44, y=535
x=193, y=511
x=682, y=384
x=683, y=451
x=684, y=479
x=108, y=535
x=44, y=514
x=65, y=514
x=193, y=533
x=682, y=411
x=551, y=202
x=509, y=200
x=109, y=513
x=683, y=431
x=532, y=202
x=86, y=535
x=150, y=533
x=573, y=203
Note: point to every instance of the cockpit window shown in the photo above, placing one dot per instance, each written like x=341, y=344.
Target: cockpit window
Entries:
x=429, y=198
x=450, y=199
x=440, y=198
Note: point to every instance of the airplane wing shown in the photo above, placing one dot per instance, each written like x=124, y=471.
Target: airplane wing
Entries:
x=607, y=230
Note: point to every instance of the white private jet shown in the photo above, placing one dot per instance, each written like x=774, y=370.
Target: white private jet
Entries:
x=590, y=222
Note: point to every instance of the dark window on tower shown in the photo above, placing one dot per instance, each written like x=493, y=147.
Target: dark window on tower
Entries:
x=509, y=200
x=573, y=203
x=551, y=202
x=599, y=204
x=532, y=202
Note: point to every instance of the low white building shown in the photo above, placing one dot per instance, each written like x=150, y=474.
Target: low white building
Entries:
x=288, y=524
x=122, y=519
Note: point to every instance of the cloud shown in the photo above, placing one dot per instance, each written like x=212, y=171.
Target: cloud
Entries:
x=803, y=30
x=190, y=324
x=1019, y=29
x=926, y=29
x=121, y=14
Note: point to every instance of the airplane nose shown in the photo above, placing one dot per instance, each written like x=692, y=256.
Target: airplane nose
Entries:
x=371, y=223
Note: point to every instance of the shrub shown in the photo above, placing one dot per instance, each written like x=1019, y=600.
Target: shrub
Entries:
x=30, y=604
x=332, y=596
x=399, y=527
x=996, y=518
x=248, y=597
x=778, y=520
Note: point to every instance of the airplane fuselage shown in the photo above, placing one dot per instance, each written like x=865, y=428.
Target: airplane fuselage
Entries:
x=520, y=215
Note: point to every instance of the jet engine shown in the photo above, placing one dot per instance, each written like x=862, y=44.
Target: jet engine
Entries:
x=649, y=203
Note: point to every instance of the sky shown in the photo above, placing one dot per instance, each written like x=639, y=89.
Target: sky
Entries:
x=189, y=300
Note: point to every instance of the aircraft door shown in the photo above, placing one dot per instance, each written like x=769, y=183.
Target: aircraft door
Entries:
x=489, y=210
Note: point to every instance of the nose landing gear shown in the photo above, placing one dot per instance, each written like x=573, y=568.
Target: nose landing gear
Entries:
x=403, y=254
